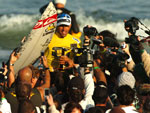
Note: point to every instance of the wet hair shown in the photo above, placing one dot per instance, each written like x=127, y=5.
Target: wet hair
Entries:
x=72, y=105
x=23, y=90
x=26, y=106
x=95, y=109
x=125, y=95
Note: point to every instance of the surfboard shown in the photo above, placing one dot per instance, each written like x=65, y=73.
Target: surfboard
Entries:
x=38, y=39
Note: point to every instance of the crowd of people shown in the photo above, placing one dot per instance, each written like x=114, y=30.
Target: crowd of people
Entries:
x=96, y=75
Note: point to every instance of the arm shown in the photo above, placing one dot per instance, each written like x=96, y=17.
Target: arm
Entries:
x=146, y=61
x=47, y=77
x=11, y=76
x=99, y=74
x=52, y=107
x=88, y=102
x=130, y=63
x=70, y=64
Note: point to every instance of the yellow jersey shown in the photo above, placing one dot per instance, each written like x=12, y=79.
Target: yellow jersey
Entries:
x=54, y=49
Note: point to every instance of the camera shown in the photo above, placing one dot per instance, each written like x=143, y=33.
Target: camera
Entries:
x=86, y=57
x=46, y=92
x=132, y=25
x=90, y=31
x=97, y=41
x=133, y=39
x=3, y=78
x=117, y=59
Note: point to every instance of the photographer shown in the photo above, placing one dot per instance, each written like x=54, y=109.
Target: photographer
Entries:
x=138, y=53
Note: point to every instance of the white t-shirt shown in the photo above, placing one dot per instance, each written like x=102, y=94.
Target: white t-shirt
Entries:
x=5, y=106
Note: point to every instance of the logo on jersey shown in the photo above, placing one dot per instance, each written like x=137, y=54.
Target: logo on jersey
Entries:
x=78, y=41
x=45, y=22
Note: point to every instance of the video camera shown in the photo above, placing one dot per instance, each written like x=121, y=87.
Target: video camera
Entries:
x=3, y=78
x=86, y=57
x=131, y=26
x=117, y=59
x=90, y=31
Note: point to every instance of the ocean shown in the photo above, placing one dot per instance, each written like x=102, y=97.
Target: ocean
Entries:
x=17, y=17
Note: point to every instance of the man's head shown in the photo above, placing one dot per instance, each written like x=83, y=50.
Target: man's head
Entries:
x=63, y=24
x=25, y=74
x=76, y=89
x=26, y=106
x=125, y=95
x=100, y=93
x=126, y=78
x=23, y=90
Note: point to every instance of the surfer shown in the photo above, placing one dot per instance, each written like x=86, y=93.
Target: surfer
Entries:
x=61, y=41
x=60, y=7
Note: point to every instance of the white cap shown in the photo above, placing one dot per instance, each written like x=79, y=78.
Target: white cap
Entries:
x=126, y=78
x=60, y=1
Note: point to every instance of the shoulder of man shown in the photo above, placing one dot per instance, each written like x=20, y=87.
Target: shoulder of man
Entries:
x=74, y=38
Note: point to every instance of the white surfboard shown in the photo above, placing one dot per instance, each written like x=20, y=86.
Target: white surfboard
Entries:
x=38, y=39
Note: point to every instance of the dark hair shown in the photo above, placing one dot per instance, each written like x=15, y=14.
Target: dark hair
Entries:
x=109, y=38
x=146, y=106
x=107, y=33
x=95, y=109
x=125, y=95
x=59, y=81
x=57, y=104
x=100, y=94
x=75, y=95
x=71, y=105
x=26, y=106
x=23, y=90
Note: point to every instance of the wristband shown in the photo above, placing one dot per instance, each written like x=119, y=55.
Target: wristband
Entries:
x=11, y=64
x=46, y=68
x=103, y=51
x=142, y=51
x=3, y=98
x=97, y=68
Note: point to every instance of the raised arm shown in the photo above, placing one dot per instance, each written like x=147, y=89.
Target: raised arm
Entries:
x=11, y=76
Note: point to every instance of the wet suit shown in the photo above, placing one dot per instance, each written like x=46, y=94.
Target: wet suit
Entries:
x=74, y=26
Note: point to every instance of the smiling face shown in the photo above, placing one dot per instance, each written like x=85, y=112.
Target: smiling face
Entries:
x=63, y=30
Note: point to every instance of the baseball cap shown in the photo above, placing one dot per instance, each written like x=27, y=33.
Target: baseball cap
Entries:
x=126, y=78
x=60, y=1
x=63, y=19
x=76, y=83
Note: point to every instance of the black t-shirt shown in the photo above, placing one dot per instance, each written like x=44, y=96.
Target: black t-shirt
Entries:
x=35, y=97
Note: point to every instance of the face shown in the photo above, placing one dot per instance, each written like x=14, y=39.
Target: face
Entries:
x=75, y=110
x=63, y=30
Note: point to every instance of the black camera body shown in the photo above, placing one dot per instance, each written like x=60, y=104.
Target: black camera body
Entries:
x=132, y=25
x=3, y=78
x=90, y=31
x=133, y=39
x=97, y=41
x=86, y=57
x=117, y=59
